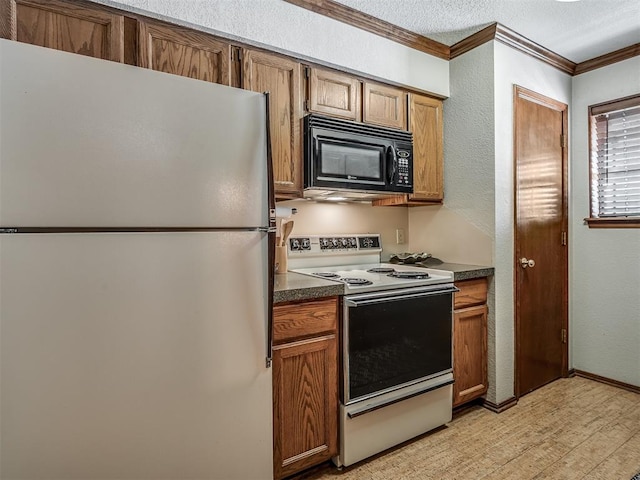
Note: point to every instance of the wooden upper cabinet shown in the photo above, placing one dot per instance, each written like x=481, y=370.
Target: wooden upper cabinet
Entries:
x=425, y=121
x=69, y=26
x=384, y=105
x=177, y=50
x=334, y=93
x=280, y=76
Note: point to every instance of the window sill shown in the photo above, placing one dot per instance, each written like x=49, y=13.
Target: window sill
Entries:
x=620, y=222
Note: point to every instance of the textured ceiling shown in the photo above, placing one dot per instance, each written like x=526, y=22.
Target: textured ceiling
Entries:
x=578, y=31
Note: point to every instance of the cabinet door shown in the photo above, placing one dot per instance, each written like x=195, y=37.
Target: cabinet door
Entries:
x=67, y=26
x=305, y=404
x=425, y=121
x=172, y=49
x=334, y=94
x=469, y=353
x=279, y=76
x=385, y=106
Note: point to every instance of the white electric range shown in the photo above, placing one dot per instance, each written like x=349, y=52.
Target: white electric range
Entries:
x=396, y=341
x=354, y=260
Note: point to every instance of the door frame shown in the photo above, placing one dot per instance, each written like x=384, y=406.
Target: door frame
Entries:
x=530, y=95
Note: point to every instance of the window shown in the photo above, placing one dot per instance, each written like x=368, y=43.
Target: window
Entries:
x=614, y=148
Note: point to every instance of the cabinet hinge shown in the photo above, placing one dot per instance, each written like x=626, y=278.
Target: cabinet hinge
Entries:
x=563, y=140
x=564, y=335
x=564, y=238
x=306, y=105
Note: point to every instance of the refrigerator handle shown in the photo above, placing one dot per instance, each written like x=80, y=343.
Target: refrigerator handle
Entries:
x=271, y=257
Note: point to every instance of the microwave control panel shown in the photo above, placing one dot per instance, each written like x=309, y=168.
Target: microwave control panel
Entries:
x=404, y=167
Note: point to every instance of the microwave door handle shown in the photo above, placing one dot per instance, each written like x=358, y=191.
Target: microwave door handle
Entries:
x=392, y=167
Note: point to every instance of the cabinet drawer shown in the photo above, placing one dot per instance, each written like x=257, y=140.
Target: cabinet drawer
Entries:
x=299, y=320
x=472, y=292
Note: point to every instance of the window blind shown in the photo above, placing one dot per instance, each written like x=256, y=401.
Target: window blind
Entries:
x=615, y=159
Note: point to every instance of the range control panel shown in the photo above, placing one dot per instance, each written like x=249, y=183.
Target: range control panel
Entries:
x=325, y=244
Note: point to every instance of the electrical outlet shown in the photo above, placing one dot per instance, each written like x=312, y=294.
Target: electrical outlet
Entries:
x=400, y=236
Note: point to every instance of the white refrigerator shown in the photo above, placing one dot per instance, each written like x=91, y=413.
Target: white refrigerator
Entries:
x=135, y=279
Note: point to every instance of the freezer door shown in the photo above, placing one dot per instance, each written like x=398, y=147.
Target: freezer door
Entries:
x=134, y=356
x=86, y=142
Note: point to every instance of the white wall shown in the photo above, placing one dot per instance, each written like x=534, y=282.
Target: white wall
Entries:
x=479, y=189
x=605, y=263
x=512, y=68
x=291, y=29
x=462, y=229
x=317, y=218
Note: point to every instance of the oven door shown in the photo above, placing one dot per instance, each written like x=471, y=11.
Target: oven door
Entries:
x=396, y=338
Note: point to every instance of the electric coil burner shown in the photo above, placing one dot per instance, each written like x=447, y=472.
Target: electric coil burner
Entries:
x=396, y=341
x=381, y=270
x=356, y=281
x=410, y=274
x=326, y=275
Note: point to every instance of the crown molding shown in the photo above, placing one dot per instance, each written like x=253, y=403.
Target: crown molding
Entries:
x=608, y=59
x=472, y=41
x=495, y=31
x=513, y=39
x=374, y=25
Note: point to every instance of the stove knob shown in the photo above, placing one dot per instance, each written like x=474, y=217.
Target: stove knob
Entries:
x=367, y=242
x=306, y=244
x=324, y=243
x=344, y=242
x=334, y=243
x=295, y=244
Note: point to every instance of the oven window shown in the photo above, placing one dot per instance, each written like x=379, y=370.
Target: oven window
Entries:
x=343, y=160
x=396, y=342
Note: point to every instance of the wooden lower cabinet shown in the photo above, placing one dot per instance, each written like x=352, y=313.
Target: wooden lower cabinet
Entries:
x=305, y=385
x=470, y=341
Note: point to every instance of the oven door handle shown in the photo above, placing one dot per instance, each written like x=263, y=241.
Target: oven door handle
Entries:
x=393, y=297
x=370, y=407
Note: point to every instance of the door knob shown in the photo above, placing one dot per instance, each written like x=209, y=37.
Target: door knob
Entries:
x=527, y=263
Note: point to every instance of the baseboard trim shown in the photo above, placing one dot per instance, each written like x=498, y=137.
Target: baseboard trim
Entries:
x=608, y=381
x=500, y=407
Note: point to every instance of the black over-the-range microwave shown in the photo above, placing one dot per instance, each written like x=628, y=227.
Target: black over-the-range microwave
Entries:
x=348, y=156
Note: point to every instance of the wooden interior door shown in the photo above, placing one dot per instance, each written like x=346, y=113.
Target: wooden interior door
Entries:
x=541, y=260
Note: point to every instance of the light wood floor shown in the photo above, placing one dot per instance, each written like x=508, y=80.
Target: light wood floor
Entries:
x=570, y=429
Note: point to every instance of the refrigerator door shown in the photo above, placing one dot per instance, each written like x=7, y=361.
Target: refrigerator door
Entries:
x=134, y=356
x=87, y=142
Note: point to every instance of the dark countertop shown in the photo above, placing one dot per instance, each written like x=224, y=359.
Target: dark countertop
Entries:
x=294, y=286
x=465, y=272
x=291, y=286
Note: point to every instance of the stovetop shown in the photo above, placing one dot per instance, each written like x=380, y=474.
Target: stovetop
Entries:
x=390, y=277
